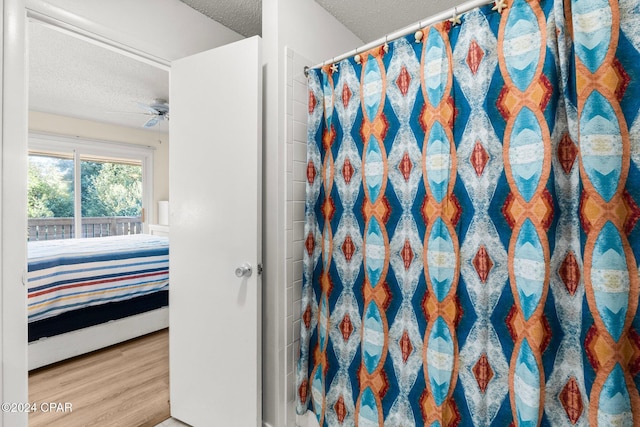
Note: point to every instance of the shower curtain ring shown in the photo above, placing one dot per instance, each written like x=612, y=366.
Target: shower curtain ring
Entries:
x=385, y=47
x=455, y=18
x=306, y=71
x=418, y=35
x=334, y=66
x=499, y=5
x=357, y=57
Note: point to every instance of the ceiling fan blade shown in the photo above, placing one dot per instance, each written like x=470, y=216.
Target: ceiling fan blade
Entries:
x=140, y=113
x=148, y=108
x=151, y=122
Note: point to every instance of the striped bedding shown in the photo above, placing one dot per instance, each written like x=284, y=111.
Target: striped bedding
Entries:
x=65, y=275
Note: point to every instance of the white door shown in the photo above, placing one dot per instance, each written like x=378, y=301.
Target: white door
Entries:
x=215, y=228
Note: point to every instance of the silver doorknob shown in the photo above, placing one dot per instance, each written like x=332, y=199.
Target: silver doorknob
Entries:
x=244, y=270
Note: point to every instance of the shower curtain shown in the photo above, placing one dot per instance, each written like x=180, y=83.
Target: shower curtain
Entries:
x=472, y=238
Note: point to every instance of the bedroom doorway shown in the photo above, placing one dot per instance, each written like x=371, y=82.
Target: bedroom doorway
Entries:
x=93, y=32
x=99, y=173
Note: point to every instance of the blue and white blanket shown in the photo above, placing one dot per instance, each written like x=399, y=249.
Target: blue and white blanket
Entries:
x=66, y=275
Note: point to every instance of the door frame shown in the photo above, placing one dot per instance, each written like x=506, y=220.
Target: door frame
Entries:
x=13, y=210
x=14, y=110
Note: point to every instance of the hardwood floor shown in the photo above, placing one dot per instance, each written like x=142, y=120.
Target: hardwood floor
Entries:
x=123, y=385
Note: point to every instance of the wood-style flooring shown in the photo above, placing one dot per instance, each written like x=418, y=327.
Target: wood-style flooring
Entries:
x=124, y=385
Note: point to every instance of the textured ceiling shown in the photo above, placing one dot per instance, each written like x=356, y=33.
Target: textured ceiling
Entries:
x=72, y=77
x=373, y=19
x=242, y=16
x=367, y=19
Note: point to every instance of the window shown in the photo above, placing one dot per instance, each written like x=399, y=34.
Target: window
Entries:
x=97, y=187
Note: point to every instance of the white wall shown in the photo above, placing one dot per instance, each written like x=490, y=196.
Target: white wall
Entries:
x=307, y=30
x=72, y=127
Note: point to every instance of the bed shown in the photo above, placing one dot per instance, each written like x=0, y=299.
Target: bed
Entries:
x=86, y=294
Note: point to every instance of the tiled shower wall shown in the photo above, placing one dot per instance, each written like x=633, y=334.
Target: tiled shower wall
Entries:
x=296, y=100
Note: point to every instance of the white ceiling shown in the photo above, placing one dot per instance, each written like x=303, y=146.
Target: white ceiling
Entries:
x=242, y=16
x=367, y=19
x=72, y=77
x=373, y=19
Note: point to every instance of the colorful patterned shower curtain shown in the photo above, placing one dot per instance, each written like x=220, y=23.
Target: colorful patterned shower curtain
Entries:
x=472, y=238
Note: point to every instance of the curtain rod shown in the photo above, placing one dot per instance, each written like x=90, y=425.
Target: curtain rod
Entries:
x=451, y=13
x=96, y=39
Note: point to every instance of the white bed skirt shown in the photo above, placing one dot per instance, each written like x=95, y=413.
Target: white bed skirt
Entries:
x=60, y=347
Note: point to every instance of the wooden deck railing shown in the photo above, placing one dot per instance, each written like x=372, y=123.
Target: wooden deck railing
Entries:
x=63, y=228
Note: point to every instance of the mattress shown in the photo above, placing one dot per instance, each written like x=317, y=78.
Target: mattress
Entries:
x=68, y=275
x=96, y=315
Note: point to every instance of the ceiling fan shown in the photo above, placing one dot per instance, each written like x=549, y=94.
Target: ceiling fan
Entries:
x=158, y=109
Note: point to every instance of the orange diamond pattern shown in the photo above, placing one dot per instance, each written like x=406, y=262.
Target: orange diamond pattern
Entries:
x=303, y=390
x=328, y=208
x=403, y=81
x=482, y=263
x=570, y=273
x=347, y=171
x=483, y=372
x=405, y=166
x=311, y=172
x=310, y=244
x=341, y=409
x=407, y=254
x=346, y=95
x=567, y=153
x=306, y=317
x=348, y=248
x=474, y=56
x=405, y=346
x=479, y=158
x=312, y=102
x=571, y=400
x=346, y=327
